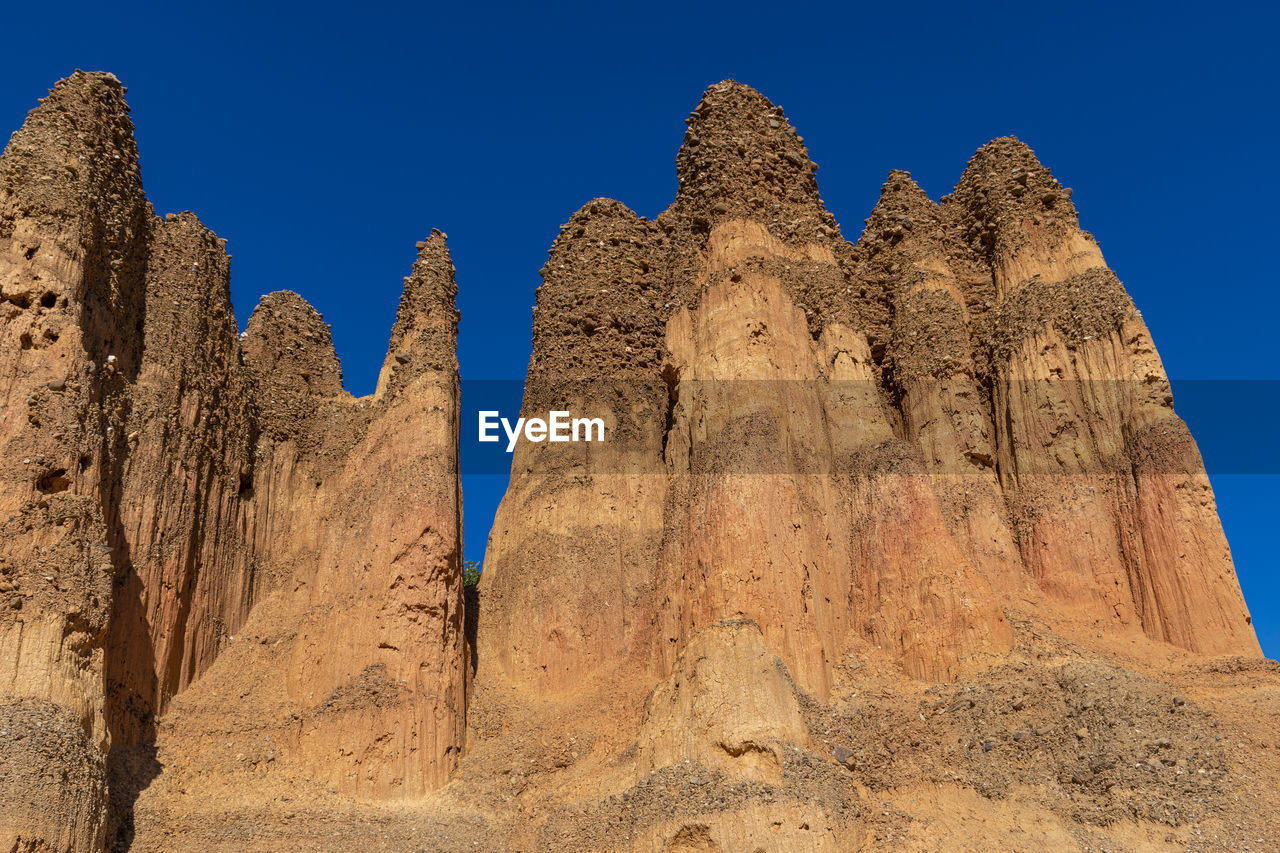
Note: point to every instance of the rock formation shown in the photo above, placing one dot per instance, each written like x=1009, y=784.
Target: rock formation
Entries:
x=942, y=414
x=877, y=455
x=166, y=479
x=73, y=221
x=894, y=545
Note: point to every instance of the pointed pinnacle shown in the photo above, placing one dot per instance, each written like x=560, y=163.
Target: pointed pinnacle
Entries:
x=77, y=145
x=424, y=337
x=742, y=157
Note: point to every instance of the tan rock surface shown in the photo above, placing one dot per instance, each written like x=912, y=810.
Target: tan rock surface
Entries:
x=1083, y=408
x=921, y=457
x=895, y=545
x=73, y=221
x=730, y=704
x=167, y=484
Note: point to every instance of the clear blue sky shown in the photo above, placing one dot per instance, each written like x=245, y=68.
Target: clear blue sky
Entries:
x=323, y=139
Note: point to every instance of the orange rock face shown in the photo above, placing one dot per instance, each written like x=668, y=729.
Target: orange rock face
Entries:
x=876, y=455
x=894, y=545
x=1098, y=467
x=166, y=479
x=73, y=225
x=874, y=444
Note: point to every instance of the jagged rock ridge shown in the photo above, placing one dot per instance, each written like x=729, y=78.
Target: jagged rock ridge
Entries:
x=166, y=481
x=918, y=351
x=895, y=545
x=899, y=454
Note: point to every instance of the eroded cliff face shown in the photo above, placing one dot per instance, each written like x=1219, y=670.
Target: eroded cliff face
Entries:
x=166, y=479
x=894, y=545
x=73, y=221
x=943, y=415
x=829, y=465
x=728, y=346
x=1098, y=468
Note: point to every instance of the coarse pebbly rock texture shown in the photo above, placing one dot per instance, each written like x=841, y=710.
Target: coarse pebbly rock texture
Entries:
x=893, y=545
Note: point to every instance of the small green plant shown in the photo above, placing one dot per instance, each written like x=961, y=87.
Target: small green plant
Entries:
x=470, y=573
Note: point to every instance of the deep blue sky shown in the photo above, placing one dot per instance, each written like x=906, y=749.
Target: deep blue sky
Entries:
x=323, y=139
